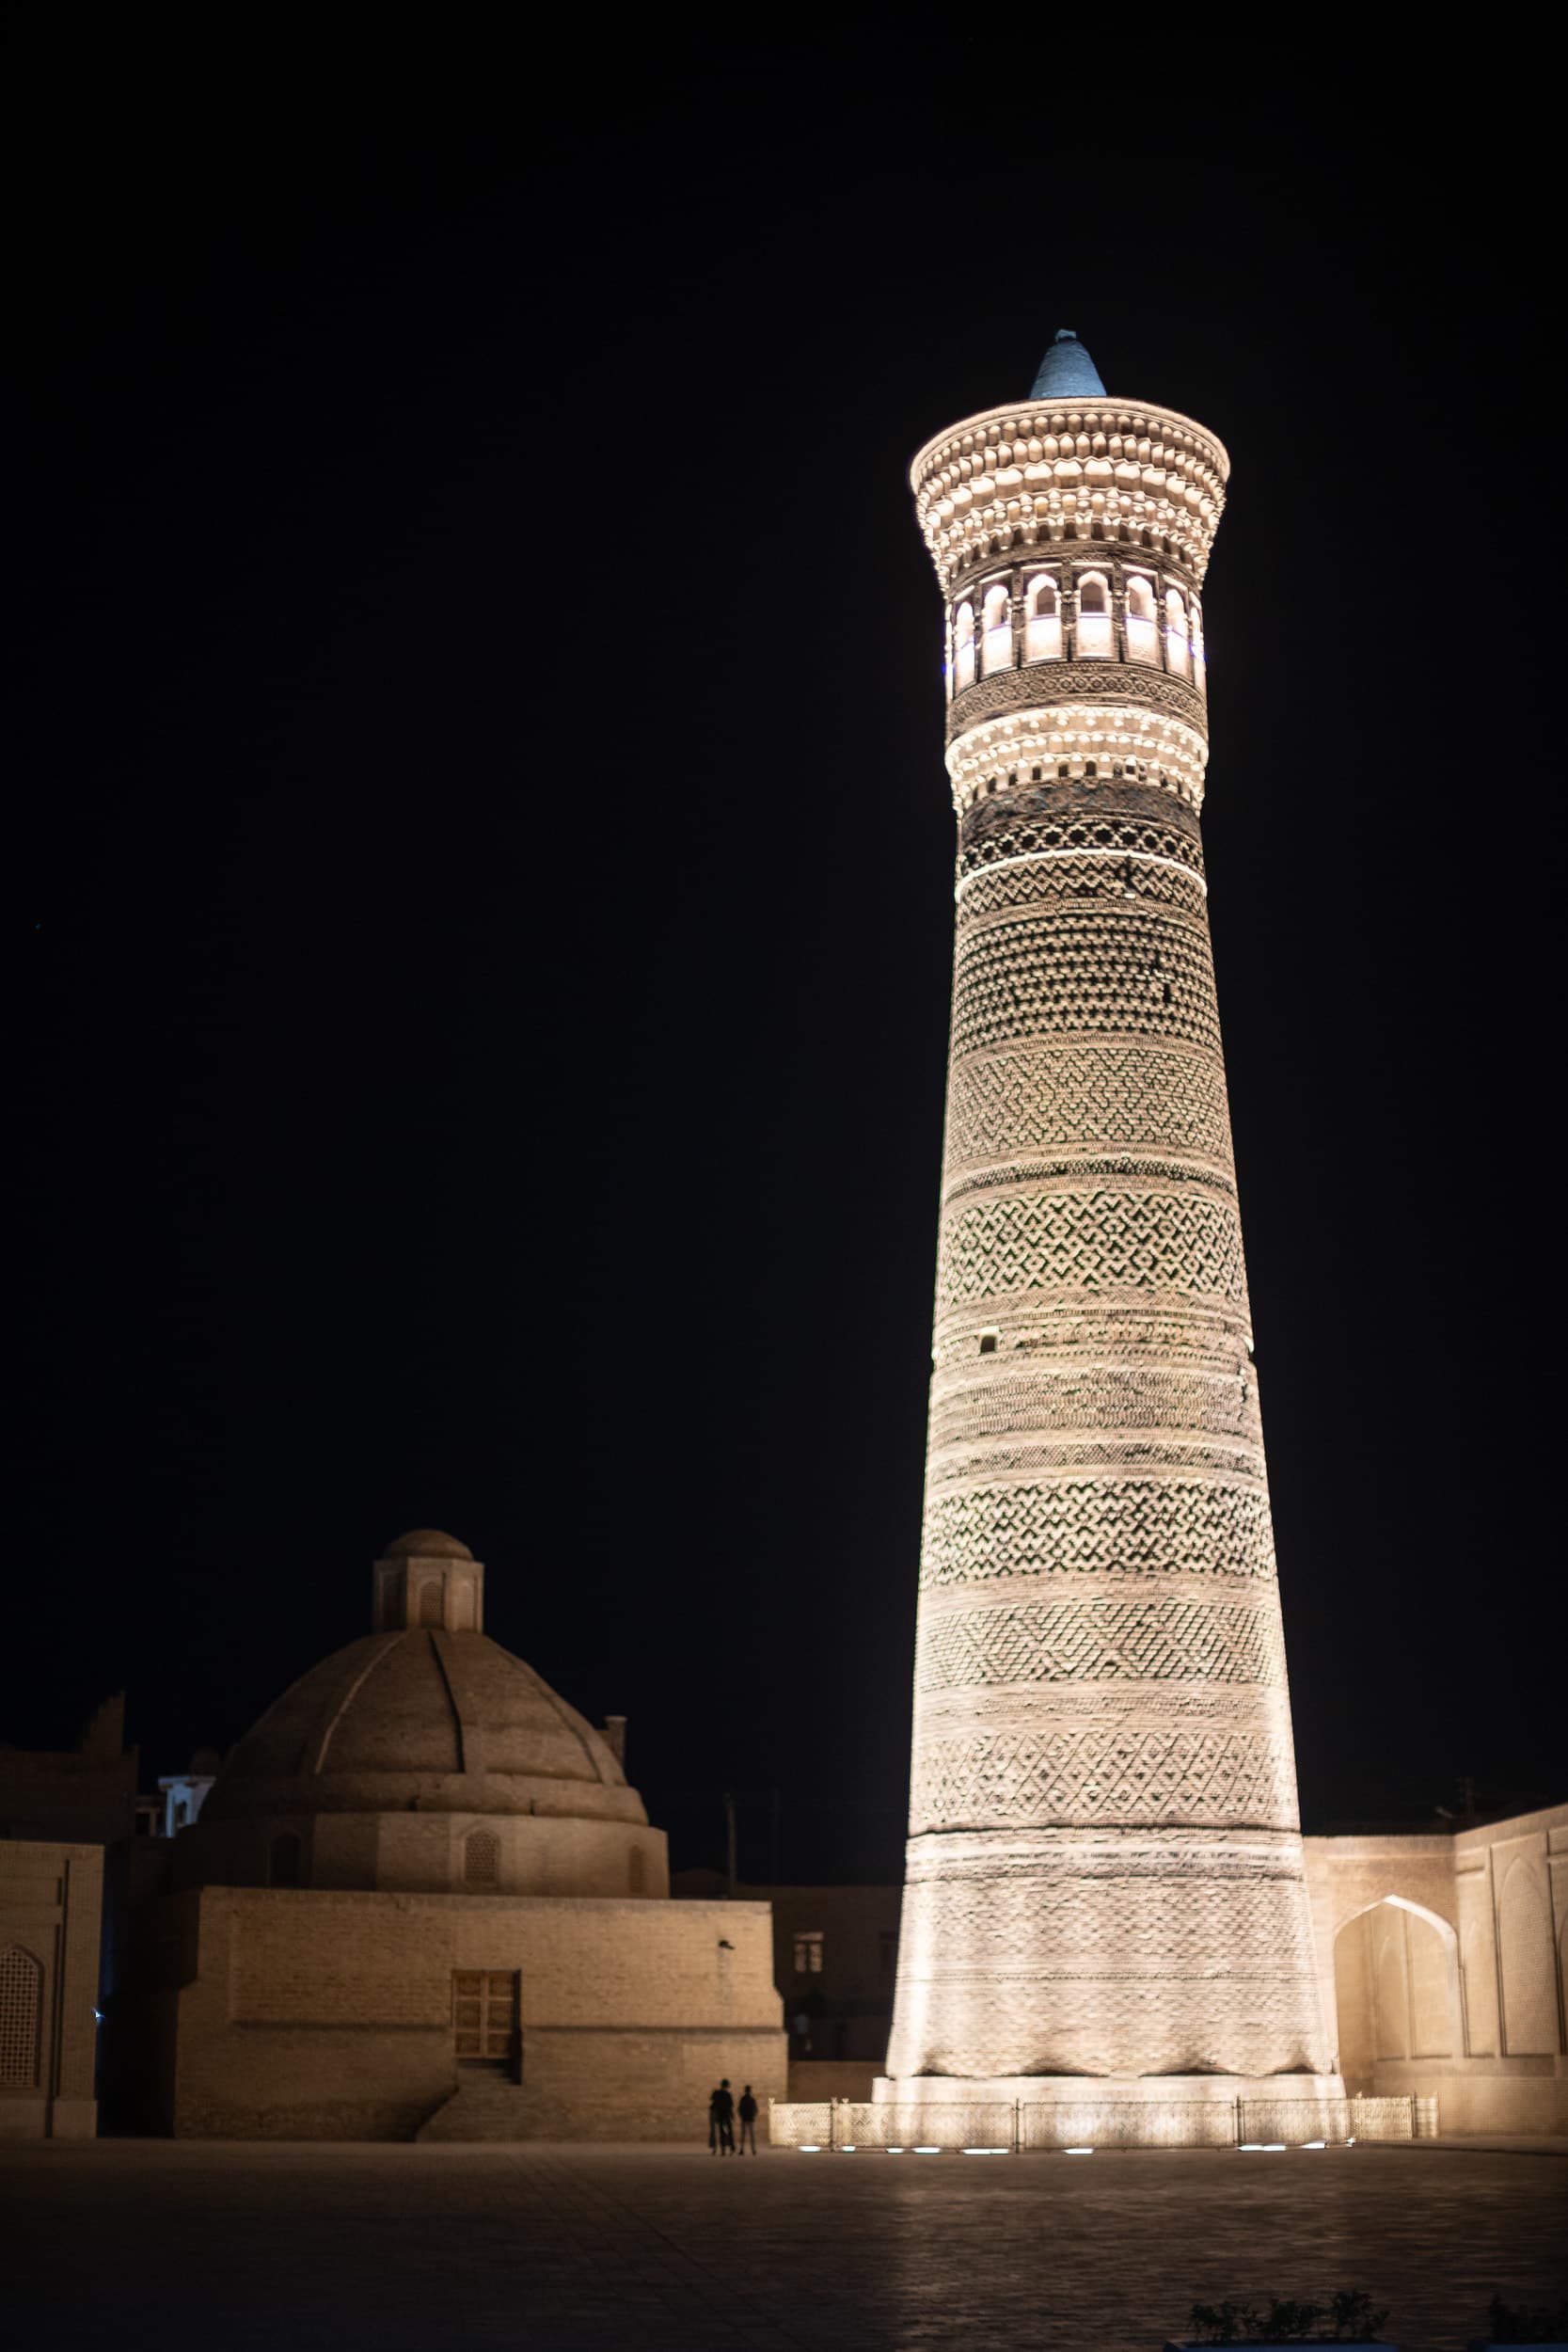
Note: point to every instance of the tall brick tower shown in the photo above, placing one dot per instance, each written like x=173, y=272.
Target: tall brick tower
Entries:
x=1105, y=1872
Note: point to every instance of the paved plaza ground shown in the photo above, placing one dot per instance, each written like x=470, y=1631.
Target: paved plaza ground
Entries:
x=156, y=2247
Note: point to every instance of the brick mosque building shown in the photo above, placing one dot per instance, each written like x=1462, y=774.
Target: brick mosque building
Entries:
x=422, y=1900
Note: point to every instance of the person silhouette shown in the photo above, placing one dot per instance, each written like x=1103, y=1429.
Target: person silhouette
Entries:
x=747, y=2112
x=720, y=2120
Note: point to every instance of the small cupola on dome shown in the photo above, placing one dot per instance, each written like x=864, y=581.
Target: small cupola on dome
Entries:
x=428, y=1578
x=1067, y=371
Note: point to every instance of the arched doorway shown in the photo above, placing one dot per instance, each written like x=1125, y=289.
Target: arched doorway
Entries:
x=1395, y=1986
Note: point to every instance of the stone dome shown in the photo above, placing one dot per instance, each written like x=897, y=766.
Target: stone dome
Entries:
x=1067, y=371
x=427, y=1543
x=423, y=1720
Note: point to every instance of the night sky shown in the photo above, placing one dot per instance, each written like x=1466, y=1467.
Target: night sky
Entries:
x=479, y=932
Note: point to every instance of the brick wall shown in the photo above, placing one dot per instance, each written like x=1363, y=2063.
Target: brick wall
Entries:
x=1441, y=1960
x=305, y=2013
x=51, y=1907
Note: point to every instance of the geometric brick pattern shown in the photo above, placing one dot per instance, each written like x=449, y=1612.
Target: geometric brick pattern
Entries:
x=1085, y=1777
x=988, y=697
x=1101, y=1641
x=1023, y=1100
x=999, y=889
x=1155, y=1970
x=1121, y=968
x=1072, y=1240
x=1001, y=1396
x=1104, y=1864
x=1004, y=829
x=21, y=2017
x=1114, y=1526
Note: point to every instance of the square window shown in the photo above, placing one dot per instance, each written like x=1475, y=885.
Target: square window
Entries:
x=485, y=2013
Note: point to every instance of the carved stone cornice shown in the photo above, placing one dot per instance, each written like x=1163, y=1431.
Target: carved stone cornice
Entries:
x=1096, y=742
x=1114, y=464
x=1086, y=415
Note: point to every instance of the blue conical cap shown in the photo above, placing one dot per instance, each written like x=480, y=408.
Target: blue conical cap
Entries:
x=1067, y=371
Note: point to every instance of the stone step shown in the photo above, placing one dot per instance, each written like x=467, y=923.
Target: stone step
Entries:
x=486, y=2111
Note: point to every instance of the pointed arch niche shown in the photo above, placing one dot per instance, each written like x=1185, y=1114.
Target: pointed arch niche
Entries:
x=1396, y=1987
x=996, y=634
x=964, y=646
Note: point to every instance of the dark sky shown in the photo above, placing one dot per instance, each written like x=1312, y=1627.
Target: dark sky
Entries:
x=482, y=910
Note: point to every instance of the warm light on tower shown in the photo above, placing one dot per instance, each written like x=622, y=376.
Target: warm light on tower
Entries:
x=1106, y=1872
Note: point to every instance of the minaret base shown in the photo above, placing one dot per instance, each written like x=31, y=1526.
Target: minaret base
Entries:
x=1129, y=2110
x=933, y=2087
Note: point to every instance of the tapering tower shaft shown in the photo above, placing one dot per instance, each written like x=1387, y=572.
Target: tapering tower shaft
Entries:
x=1104, y=1865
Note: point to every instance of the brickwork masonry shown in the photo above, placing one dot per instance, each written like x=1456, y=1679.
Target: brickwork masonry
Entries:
x=307, y=2013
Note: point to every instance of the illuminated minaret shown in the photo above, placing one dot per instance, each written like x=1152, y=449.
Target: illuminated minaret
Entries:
x=1105, y=1870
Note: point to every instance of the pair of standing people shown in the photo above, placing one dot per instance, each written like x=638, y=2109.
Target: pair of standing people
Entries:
x=722, y=2112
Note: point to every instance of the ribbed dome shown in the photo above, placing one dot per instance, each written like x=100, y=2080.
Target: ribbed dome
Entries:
x=423, y=1721
x=427, y=1543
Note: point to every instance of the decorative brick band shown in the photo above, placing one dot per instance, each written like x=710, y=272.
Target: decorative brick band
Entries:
x=1043, y=684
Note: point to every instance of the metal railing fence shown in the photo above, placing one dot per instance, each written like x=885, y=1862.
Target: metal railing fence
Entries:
x=1127, y=2124
x=922, y=2124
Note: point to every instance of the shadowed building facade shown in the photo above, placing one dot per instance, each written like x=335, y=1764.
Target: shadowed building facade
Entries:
x=1104, y=1871
x=421, y=1900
